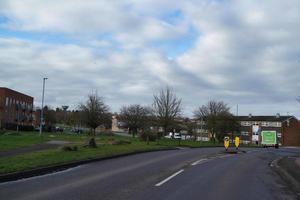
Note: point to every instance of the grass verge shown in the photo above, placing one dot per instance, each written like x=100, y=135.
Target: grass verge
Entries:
x=57, y=156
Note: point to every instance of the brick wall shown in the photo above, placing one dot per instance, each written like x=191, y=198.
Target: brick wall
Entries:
x=291, y=132
x=15, y=109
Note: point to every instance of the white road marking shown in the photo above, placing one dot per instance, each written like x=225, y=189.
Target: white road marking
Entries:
x=169, y=178
x=199, y=161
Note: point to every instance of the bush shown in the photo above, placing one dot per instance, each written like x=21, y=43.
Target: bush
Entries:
x=91, y=143
x=148, y=136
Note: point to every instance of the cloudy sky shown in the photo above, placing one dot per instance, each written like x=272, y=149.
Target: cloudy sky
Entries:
x=241, y=52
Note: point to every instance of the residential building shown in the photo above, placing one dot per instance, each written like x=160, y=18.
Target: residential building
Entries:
x=15, y=110
x=287, y=128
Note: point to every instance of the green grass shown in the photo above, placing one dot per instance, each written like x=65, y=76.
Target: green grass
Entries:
x=58, y=156
x=187, y=143
x=13, y=140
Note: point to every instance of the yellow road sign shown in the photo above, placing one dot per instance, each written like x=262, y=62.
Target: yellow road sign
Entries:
x=237, y=142
x=226, y=142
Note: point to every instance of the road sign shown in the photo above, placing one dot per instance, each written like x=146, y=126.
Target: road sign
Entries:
x=268, y=137
x=226, y=142
x=237, y=142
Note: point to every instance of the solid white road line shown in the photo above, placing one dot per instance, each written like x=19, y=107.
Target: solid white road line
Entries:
x=199, y=161
x=169, y=178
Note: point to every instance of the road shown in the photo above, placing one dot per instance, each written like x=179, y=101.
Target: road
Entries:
x=204, y=173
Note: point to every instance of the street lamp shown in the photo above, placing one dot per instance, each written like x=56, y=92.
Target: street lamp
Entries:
x=42, y=109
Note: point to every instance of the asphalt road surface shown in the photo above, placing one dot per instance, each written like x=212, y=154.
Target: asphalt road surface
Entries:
x=205, y=173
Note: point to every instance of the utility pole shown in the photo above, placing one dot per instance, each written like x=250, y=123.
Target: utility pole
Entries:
x=42, y=109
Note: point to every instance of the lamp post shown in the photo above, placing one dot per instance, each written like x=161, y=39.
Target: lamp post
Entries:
x=42, y=109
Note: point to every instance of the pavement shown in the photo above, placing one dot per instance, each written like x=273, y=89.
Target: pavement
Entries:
x=289, y=168
x=204, y=173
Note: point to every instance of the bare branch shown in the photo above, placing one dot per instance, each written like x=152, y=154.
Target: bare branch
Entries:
x=166, y=107
x=135, y=116
x=95, y=111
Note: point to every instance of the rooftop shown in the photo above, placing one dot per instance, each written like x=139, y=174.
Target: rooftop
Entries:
x=265, y=118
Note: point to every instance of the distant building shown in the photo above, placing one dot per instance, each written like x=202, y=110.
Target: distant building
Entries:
x=117, y=125
x=287, y=128
x=15, y=110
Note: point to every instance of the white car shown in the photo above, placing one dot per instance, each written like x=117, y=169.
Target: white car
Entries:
x=177, y=136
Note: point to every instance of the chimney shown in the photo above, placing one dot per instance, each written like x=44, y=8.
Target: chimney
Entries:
x=250, y=115
x=277, y=115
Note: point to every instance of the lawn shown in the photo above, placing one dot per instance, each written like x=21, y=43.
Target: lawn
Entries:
x=13, y=140
x=58, y=156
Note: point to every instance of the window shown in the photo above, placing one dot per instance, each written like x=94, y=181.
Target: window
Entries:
x=245, y=123
x=245, y=133
x=6, y=101
x=279, y=135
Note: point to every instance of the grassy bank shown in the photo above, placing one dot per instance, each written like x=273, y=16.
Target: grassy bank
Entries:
x=14, y=140
x=58, y=156
x=106, y=147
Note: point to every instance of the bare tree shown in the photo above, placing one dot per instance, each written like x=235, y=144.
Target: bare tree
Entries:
x=166, y=106
x=135, y=116
x=217, y=118
x=94, y=112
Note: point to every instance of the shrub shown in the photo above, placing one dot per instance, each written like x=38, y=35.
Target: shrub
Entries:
x=148, y=136
x=91, y=143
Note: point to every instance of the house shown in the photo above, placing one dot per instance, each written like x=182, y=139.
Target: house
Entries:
x=287, y=128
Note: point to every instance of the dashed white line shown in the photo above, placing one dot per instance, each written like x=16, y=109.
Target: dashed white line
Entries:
x=199, y=161
x=169, y=178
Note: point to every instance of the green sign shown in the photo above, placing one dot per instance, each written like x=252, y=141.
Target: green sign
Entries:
x=268, y=137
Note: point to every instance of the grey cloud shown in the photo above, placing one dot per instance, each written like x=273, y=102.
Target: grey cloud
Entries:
x=246, y=52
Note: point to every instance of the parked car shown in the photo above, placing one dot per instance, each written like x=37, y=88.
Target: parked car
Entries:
x=186, y=137
x=76, y=130
x=177, y=136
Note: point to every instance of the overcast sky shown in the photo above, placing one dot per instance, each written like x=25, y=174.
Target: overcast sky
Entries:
x=241, y=52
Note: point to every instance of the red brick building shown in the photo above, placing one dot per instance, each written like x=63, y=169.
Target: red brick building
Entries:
x=15, y=110
x=287, y=128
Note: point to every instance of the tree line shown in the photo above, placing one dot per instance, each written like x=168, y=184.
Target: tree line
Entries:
x=164, y=113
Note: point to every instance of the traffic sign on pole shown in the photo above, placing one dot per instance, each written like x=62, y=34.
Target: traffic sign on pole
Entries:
x=237, y=142
x=226, y=142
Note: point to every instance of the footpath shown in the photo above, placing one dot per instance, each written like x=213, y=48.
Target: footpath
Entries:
x=289, y=169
